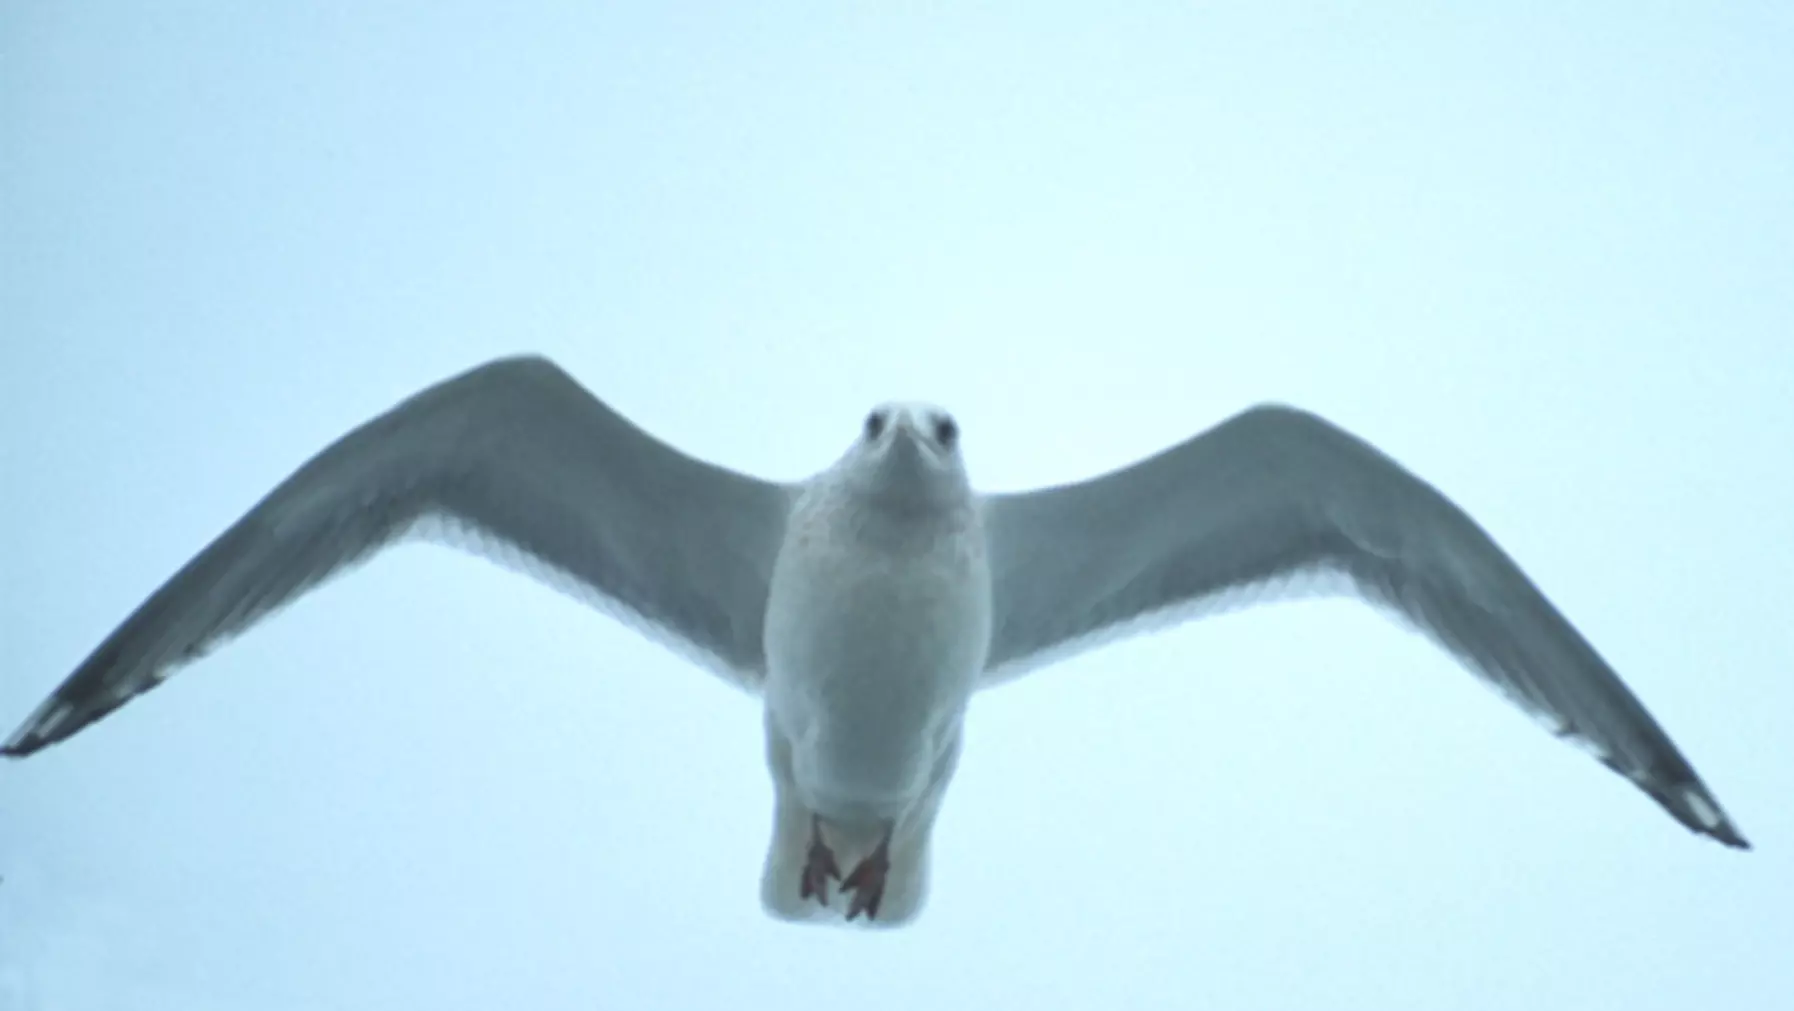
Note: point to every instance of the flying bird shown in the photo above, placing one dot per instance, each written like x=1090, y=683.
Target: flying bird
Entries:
x=867, y=605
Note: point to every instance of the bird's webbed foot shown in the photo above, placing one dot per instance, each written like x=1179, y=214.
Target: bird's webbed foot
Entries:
x=867, y=882
x=819, y=866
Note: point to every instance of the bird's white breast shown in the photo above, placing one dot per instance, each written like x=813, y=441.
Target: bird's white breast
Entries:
x=877, y=627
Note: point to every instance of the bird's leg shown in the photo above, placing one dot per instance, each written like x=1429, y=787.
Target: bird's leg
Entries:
x=819, y=865
x=867, y=882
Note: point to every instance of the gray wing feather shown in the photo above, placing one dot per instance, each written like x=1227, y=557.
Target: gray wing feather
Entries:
x=1276, y=494
x=517, y=460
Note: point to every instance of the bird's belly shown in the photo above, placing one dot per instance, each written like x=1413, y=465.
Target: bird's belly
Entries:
x=868, y=678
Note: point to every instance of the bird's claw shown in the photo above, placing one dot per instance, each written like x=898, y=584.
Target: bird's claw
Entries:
x=819, y=867
x=867, y=883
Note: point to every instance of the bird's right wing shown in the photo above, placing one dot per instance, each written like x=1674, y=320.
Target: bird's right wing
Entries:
x=532, y=467
x=1275, y=496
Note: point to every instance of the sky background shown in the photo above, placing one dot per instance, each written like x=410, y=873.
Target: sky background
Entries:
x=1541, y=257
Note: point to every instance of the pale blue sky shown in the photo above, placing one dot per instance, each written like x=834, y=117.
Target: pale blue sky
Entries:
x=1543, y=259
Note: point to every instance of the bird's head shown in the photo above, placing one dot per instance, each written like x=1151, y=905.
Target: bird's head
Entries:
x=908, y=452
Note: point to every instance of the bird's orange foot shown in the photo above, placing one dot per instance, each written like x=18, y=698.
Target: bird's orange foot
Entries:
x=819, y=867
x=867, y=882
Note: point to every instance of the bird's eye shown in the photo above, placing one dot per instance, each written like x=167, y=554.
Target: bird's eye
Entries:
x=946, y=432
x=875, y=424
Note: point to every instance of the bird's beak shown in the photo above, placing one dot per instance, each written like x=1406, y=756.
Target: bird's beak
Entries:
x=908, y=447
x=906, y=425
x=907, y=441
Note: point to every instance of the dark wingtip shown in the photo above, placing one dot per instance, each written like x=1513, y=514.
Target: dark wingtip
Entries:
x=24, y=741
x=1696, y=807
x=1728, y=834
x=1681, y=793
x=57, y=719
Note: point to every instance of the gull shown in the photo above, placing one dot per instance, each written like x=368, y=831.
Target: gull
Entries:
x=867, y=605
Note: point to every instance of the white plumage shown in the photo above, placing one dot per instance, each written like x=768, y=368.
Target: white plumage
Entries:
x=869, y=604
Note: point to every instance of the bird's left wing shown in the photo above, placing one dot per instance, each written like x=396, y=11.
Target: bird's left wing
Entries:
x=1276, y=495
x=531, y=468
